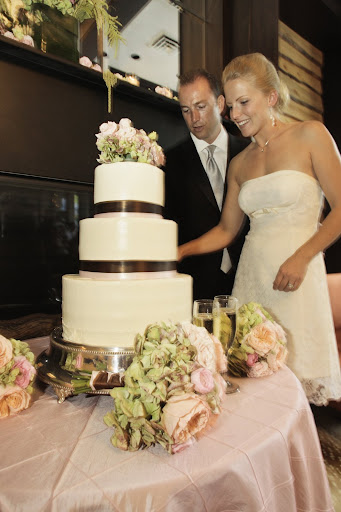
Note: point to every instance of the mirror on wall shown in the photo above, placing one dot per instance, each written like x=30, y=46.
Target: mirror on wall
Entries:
x=150, y=52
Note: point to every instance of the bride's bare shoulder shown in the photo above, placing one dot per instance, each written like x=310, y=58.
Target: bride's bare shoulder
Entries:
x=308, y=129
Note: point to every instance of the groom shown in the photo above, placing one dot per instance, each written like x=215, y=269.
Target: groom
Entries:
x=195, y=181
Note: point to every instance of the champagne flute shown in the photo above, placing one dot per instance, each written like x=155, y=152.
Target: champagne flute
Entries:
x=224, y=327
x=202, y=314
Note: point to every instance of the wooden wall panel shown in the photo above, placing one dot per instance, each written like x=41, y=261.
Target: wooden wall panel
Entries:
x=300, y=67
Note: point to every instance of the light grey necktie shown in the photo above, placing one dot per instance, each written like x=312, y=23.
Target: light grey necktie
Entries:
x=217, y=185
x=214, y=175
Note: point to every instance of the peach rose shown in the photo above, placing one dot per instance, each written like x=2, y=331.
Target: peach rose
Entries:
x=6, y=351
x=13, y=399
x=177, y=448
x=276, y=358
x=203, y=380
x=262, y=338
x=260, y=369
x=184, y=416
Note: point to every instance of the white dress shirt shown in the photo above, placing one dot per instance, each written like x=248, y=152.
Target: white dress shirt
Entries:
x=220, y=156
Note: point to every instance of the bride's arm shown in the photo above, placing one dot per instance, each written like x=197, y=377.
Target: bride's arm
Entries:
x=224, y=233
x=326, y=163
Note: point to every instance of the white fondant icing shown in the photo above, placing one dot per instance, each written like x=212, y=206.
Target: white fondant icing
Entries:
x=131, y=181
x=129, y=238
x=111, y=313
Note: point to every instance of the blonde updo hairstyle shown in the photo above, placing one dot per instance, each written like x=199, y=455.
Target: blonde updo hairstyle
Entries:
x=261, y=73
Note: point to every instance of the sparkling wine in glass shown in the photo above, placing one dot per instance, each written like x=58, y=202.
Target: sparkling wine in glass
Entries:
x=202, y=314
x=224, y=327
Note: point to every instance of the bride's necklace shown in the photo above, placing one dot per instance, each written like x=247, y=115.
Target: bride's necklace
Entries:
x=260, y=147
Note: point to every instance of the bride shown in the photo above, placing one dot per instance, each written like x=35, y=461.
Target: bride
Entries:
x=280, y=181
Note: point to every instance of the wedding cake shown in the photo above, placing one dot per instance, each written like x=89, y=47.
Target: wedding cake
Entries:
x=127, y=252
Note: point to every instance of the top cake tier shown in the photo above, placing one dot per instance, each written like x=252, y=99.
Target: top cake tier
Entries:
x=128, y=187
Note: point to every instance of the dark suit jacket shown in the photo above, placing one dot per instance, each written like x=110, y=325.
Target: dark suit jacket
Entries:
x=190, y=202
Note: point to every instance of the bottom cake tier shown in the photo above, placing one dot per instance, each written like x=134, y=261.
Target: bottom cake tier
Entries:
x=111, y=313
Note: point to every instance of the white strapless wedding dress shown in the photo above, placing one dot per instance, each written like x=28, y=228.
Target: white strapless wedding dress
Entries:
x=284, y=210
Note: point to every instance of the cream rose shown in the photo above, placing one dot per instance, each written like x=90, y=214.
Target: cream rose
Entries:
x=13, y=399
x=202, y=341
x=6, y=351
x=184, y=416
x=262, y=338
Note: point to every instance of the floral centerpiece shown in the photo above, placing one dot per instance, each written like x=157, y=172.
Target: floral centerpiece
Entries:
x=16, y=376
x=118, y=142
x=259, y=346
x=173, y=388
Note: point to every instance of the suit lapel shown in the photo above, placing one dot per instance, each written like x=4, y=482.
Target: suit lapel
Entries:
x=197, y=174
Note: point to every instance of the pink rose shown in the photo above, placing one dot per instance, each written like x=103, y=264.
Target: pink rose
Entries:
x=177, y=448
x=96, y=67
x=13, y=399
x=79, y=361
x=260, y=369
x=85, y=61
x=203, y=380
x=221, y=385
x=27, y=40
x=262, y=338
x=221, y=359
x=10, y=35
x=252, y=359
x=276, y=358
x=185, y=415
x=26, y=371
x=6, y=351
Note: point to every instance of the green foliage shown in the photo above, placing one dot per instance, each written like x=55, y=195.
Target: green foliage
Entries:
x=82, y=10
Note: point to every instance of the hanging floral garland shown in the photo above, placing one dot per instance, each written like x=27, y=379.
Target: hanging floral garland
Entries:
x=82, y=10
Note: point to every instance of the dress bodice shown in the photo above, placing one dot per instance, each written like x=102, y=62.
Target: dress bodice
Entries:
x=282, y=199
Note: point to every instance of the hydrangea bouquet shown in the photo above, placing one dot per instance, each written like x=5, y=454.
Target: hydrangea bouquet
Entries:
x=259, y=346
x=173, y=388
x=118, y=142
x=16, y=375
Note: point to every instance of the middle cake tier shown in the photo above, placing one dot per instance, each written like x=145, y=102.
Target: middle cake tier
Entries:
x=127, y=239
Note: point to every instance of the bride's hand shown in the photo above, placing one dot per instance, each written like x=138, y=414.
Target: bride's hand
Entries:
x=291, y=274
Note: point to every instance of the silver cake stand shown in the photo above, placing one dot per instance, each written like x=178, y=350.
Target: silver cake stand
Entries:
x=72, y=369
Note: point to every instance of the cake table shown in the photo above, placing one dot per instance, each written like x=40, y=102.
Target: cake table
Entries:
x=262, y=455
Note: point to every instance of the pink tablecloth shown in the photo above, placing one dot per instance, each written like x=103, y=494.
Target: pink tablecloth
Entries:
x=263, y=454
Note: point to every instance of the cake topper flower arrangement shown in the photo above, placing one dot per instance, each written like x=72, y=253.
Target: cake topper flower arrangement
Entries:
x=118, y=142
x=173, y=388
x=16, y=376
x=259, y=347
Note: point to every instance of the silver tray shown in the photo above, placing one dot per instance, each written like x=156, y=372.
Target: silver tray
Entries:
x=72, y=369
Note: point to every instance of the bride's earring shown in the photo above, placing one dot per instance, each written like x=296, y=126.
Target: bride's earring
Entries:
x=272, y=117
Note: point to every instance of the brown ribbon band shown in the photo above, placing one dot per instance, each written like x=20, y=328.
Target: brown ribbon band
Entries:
x=128, y=206
x=126, y=266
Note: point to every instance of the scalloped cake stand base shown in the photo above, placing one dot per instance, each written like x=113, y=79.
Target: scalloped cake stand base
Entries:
x=72, y=369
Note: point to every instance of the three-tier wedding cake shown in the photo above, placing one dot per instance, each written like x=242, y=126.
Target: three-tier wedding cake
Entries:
x=127, y=252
